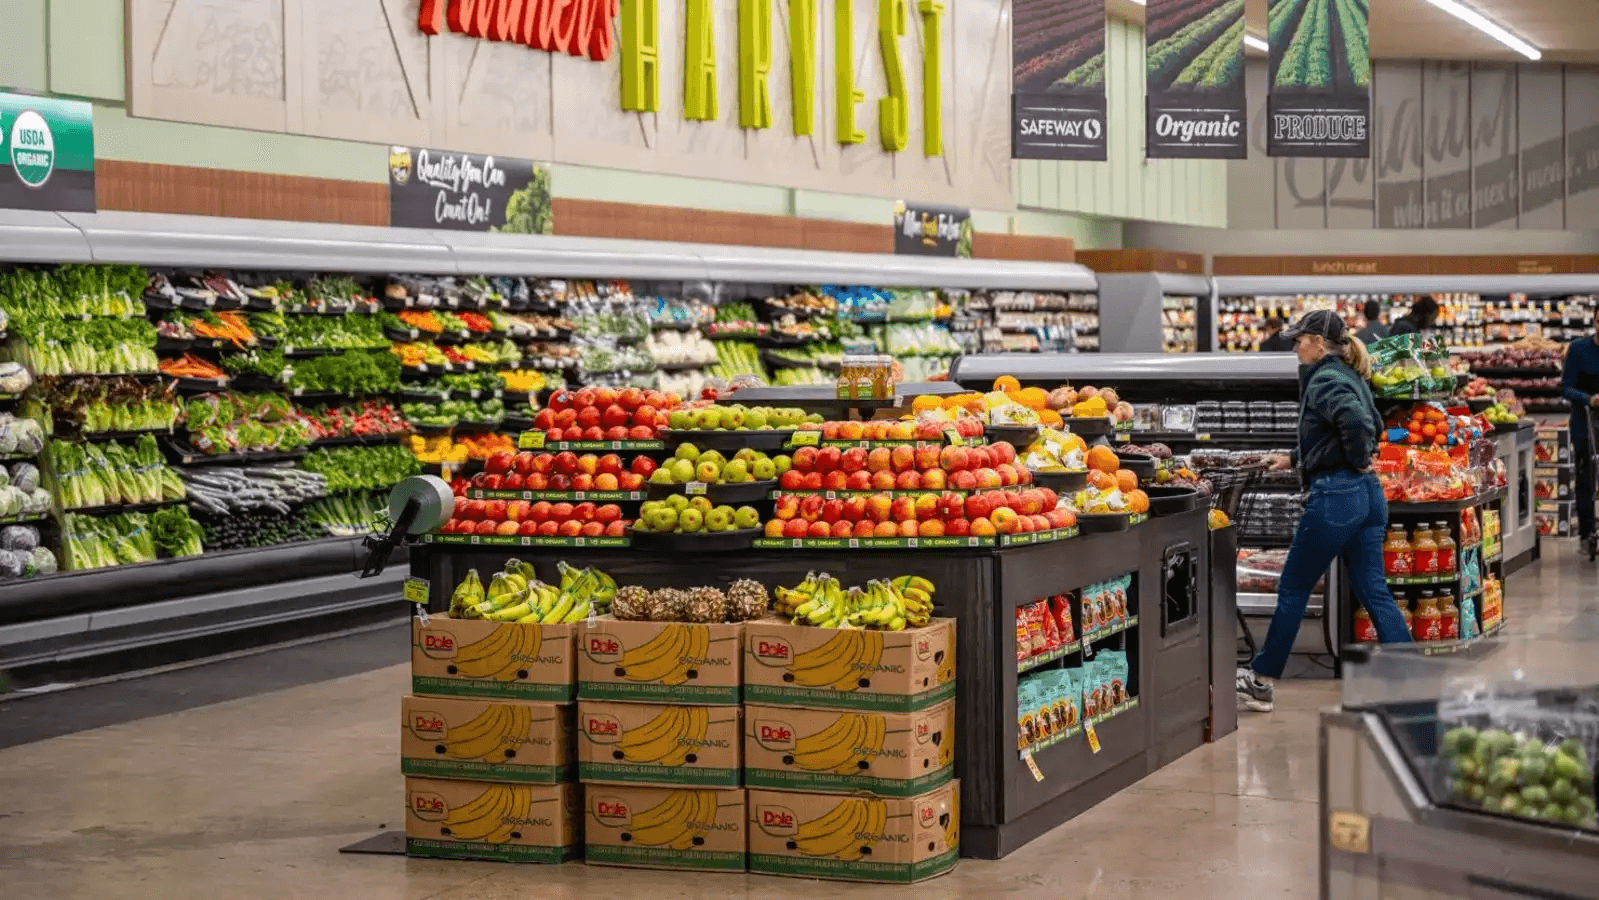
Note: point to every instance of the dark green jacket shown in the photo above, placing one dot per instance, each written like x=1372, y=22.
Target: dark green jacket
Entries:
x=1338, y=420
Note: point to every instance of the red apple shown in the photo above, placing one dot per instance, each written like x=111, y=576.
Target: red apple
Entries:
x=934, y=479
x=813, y=481
x=835, y=480
x=643, y=465
x=883, y=481
x=616, y=529
x=988, y=479
x=492, y=482
x=607, y=514
x=528, y=528
x=978, y=506
x=584, y=512
x=515, y=481
x=570, y=528
x=864, y=528
x=537, y=482
x=880, y=460
x=853, y=460
x=832, y=510
x=902, y=458
x=926, y=506
x=909, y=528
x=517, y=510
x=549, y=529
x=1003, y=451
x=560, y=512
x=639, y=433
x=508, y=527
x=494, y=509
x=885, y=529
x=792, y=480
x=582, y=482
x=827, y=459
x=565, y=420
x=982, y=528
x=804, y=459
x=774, y=528
x=819, y=530
x=594, y=433
x=930, y=528
x=630, y=481
x=878, y=507
x=963, y=480
x=958, y=528
x=1040, y=523
x=954, y=459
x=903, y=508
x=544, y=420
x=857, y=481
x=909, y=479
x=796, y=528
x=1032, y=503
x=566, y=462
x=1004, y=520
x=540, y=511
x=487, y=526
x=928, y=430
x=843, y=529
x=811, y=507
x=499, y=463
x=606, y=481
x=787, y=506
x=926, y=456
x=830, y=431
x=645, y=415
x=855, y=509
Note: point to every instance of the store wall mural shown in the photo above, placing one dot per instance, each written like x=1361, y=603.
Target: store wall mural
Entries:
x=889, y=98
x=1453, y=145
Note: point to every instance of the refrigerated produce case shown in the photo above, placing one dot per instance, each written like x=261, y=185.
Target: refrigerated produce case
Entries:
x=1439, y=772
x=1150, y=312
x=119, y=613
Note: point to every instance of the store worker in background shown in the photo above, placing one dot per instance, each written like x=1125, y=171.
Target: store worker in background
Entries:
x=1345, y=513
x=1375, y=330
x=1423, y=313
x=1579, y=384
x=1274, y=341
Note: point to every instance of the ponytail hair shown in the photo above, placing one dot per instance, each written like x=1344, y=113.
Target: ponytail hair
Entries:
x=1357, y=358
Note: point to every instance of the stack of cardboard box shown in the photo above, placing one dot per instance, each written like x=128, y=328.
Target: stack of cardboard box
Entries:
x=486, y=741
x=849, y=750
x=659, y=741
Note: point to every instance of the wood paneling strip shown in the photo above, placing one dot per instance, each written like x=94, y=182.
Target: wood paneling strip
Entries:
x=1143, y=261
x=156, y=187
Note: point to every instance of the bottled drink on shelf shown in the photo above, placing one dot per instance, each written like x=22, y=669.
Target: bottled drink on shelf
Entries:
x=1398, y=556
x=1446, y=548
x=1365, y=628
x=1425, y=560
x=1449, y=617
x=1427, y=624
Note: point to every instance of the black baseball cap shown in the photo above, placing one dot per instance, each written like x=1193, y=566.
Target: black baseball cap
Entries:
x=1322, y=322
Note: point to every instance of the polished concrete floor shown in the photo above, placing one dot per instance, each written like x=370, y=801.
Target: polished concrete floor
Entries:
x=253, y=797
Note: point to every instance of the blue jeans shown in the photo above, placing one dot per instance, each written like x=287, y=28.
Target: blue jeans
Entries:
x=1346, y=515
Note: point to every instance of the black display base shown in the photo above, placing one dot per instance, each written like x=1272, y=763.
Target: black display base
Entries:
x=999, y=841
x=388, y=843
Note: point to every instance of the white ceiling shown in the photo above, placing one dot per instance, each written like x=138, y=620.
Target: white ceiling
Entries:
x=1564, y=30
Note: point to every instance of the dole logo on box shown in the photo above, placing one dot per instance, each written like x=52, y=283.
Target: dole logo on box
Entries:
x=428, y=806
x=428, y=725
x=438, y=644
x=773, y=651
x=602, y=728
x=612, y=810
x=778, y=821
x=774, y=735
x=924, y=648
x=601, y=647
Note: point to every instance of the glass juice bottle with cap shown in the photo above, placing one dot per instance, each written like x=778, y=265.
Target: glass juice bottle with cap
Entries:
x=1449, y=617
x=1404, y=608
x=1365, y=628
x=1446, y=548
x=1427, y=625
x=1426, y=555
x=848, y=371
x=1398, y=560
x=881, y=376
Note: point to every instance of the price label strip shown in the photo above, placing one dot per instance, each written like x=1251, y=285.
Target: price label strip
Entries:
x=1032, y=765
x=415, y=590
x=1093, y=736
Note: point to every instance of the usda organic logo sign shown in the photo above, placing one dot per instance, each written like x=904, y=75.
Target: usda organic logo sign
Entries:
x=33, y=148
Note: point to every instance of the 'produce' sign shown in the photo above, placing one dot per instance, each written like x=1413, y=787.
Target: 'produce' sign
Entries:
x=466, y=192
x=1195, y=69
x=1058, y=80
x=1318, y=101
x=46, y=154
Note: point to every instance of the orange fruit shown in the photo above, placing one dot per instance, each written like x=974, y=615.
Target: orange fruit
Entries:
x=1103, y=458
x=926, y=403
x=1050, y=418
x=1007, y=383
x=1101, y=480
x=1137, y=501
x=1127, y=480
x=1033, y=397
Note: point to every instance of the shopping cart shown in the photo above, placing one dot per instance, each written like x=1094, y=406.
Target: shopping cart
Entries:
x=1227, y=489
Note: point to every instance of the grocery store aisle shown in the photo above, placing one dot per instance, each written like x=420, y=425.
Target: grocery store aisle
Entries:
x=252, y=797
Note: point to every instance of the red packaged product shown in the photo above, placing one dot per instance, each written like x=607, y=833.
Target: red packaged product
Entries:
x=1035, y=627
x=1024, y=641
x=1063, y=615
x=1052, y=639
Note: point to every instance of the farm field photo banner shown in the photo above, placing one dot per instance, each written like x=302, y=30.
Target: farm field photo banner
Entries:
x=1058, y=80
x=1318, y=101
x=1194, y=63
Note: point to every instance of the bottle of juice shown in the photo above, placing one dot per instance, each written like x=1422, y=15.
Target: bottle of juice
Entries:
x=1446, y=548
x=1365, y=628
x=1450, y=617
x=1427, y=624
x=1404, y=609
x=882, y=378
x=1398, y=557
x=1426, y=552
x=848, y=372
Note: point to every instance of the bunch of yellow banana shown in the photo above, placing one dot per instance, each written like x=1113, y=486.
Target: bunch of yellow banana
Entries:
x=906, y=601
x=846, y=747
x=492, y=816
x=491, y=733
x=501, y=655
x=667, y=657
x=506, y=589
x=469, y=593
x=675, y=822
x=841, y=663
x=667, y=739
x=847, y=830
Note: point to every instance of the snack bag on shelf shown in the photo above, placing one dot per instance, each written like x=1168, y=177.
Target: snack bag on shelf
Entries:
x=1052, y=639
x=1061, y=608
x=1469, y=627
x=1120, y=587
x=1071, y=696
x=1116, y=664
x=1035, y=629
x=1088, y=685
x=1024, y=640
x=1026, y=722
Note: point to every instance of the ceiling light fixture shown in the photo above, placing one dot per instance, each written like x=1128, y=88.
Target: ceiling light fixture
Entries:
x=1255, y=42
x=1487, y=26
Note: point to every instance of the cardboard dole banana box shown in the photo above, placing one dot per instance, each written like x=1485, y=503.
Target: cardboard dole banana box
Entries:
x=887, y=754
x=648, y=743
x=855, y=838
x=493, y=740
x=477, y=658
x=660, y=662
x=664, y=828
x=890, y=671
x=504, y=822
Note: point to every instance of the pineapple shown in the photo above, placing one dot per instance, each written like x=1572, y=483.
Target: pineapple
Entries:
x=746, y=599
x=632, y=602
x=706, y=604
x=667, y=605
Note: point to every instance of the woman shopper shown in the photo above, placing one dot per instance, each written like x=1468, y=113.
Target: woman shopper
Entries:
x=1579, y=384
x=1422, y=316
x=1345, y=513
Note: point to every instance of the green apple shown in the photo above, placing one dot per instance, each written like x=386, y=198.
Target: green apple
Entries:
x=708, y=419
x=713, y=456
x=649, y=507
x=663, y=475
x=748, y=455
x=719, y=519
x=814, y=418
x=703, y=504
x=690, y=520
x=682, y=470
x=664, y=519
x=676, y=502
x=782, y=463
x=736, y=472
x=680, y=419
x=755, y=420
x=762, y=469
x=708, y=472
x=688, y=452
x=746, y=517
x=733, y=419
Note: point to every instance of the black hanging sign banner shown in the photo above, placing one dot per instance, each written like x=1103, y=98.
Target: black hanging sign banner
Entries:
x=1318, y=102
x=1194, y=65
x=1058, y=80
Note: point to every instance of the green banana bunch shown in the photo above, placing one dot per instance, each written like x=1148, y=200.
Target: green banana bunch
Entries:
x=468, y=593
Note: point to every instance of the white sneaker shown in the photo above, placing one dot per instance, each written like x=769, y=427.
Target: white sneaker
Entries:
x=1254, y=694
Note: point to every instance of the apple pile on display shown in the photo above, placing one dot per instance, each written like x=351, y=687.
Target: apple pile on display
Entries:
x=679, y=514
x=737, y=417
x=925, y=427
x=562, y=472
x=540, y=518
x=605, y=414
x=922, y=467
x=689, y=465
x=928, y=514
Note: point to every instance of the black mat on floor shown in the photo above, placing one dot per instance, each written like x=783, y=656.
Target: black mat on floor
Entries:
x=388, y=843
x=48, y=715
